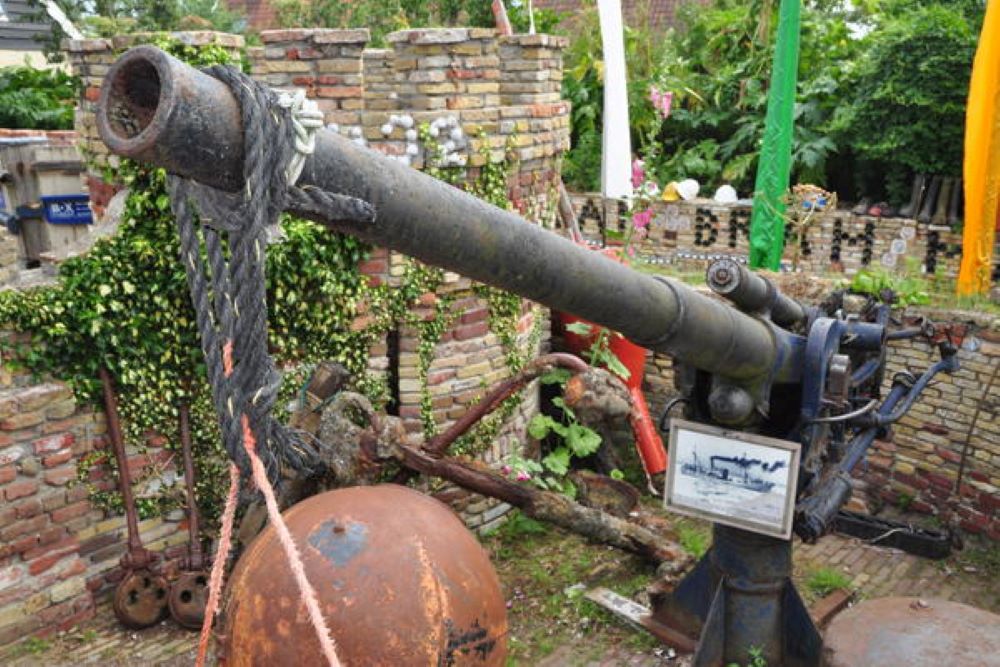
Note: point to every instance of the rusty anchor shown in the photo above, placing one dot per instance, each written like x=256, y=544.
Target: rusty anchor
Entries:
x=140, y=599
x=189, y=592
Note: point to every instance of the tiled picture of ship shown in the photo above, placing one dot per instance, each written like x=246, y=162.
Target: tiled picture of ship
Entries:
x=732, y=478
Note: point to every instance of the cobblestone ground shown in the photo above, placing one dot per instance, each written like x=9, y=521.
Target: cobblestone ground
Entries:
x=873, y=572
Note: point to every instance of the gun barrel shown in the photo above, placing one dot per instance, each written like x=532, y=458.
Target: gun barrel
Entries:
x=157, y=109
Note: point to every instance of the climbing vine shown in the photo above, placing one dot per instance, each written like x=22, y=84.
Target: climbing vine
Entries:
x=125, y=305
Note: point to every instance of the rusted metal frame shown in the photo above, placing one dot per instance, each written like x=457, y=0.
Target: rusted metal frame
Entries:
x=137, y=556
x=189, y=123
x=439, y=444
x=196, y=559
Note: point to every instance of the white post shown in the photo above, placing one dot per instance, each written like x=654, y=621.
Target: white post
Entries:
x=616, y=157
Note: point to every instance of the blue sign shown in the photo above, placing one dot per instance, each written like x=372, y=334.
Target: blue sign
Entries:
x=67, y=209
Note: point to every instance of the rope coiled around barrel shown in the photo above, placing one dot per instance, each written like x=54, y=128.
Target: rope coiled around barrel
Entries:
x=223, y=241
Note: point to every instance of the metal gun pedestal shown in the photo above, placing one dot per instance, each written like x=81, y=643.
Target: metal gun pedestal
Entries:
x=739, y=597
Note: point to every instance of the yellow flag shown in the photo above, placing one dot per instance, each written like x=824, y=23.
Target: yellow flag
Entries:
x=982, y=159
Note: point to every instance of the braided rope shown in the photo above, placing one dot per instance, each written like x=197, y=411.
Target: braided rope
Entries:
x=224, y=255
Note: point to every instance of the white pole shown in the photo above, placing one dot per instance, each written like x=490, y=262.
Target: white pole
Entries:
x=616, y=158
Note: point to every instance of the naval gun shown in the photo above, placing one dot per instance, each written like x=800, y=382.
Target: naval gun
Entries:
x=753, y=360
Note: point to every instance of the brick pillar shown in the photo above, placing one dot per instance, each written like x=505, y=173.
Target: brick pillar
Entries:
x=380, y=80
x=326, y=63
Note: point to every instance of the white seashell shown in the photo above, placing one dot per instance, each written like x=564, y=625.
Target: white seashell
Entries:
x=412, y=149
x=386, y=130
x=434, y=131
x=448, y=146
x=456, y=134
x=355, y=132
x=411, y=135
x=406, y=122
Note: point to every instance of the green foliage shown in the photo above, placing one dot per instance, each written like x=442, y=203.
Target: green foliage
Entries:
x=599, y=353
x=718, y=67
x=826, y=580
x=383, y=16
x=107, y=18
x=904, y=289
x=583, y=86
x=693, y=538
x=755, y=656
x=906, y=103
x=37, y=99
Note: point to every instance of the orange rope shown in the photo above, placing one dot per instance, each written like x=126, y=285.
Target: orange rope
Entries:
x=284, y=537
x=288, y=544
x=219, y=564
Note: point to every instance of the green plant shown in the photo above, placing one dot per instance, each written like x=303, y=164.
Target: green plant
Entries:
x=599, y=353
x=37, y=99
x=33, y=646
x=826, y=580
x=383, y=16
x=903, y=289
x=107, y=18
x=755, y=656
x=904, y=501
x=904, y=109
x=693, y=538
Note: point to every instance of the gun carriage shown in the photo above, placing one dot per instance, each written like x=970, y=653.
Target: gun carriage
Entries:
x=753, y=360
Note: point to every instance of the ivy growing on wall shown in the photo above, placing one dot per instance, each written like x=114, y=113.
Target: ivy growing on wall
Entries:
x=125, y=306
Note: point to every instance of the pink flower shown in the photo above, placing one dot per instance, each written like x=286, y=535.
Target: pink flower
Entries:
x=638, y=172
x=641, y=219
x=523, y=477
x=505, y=470
x=661, y=101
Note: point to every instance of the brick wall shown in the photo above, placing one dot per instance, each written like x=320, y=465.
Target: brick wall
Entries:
x=957, y=417
x=688, y=235
x=58, y=553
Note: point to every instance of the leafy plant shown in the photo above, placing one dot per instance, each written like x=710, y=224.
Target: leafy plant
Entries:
x=107, y=18
x=37, y=99
x=905, y=105
x=384, y=16
x=905, y=290
x=694, y=539
x=599, y=353
x=826, y=580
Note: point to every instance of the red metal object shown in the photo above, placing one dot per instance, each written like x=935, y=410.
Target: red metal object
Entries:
x=400, y=580
x=633, y=357
x=647, y=440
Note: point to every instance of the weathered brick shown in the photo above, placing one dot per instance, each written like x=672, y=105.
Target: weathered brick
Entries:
x=22, y=420
x=59, y=476
x=70, y=511
x=54, y=443
x=20, y=489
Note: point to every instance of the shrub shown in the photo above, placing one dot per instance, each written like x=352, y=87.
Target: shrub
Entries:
x=37, y=99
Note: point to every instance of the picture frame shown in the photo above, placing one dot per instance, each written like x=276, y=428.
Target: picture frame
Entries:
x=730, y=477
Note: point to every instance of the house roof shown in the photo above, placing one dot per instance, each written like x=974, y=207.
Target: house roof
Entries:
x=18, y=31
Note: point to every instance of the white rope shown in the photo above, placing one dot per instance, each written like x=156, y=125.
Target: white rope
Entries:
x=306, y=119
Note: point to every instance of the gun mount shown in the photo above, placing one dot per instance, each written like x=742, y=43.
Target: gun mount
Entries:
x=762, y=362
